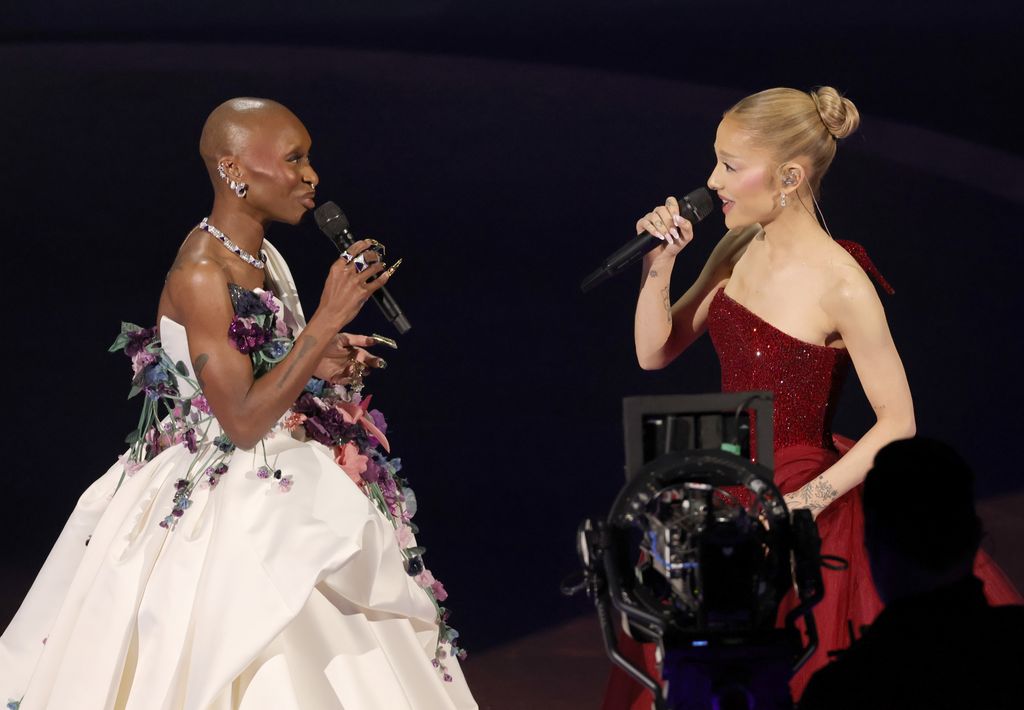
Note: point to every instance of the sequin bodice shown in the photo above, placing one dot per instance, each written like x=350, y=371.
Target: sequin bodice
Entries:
x=805, y=378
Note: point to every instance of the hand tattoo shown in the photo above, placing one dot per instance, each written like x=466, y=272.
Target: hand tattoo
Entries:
x=815, y=496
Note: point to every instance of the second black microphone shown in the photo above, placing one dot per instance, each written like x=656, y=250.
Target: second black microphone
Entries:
x=695, y=206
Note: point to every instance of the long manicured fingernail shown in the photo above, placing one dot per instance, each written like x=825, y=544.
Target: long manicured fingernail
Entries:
x=676, y=219
x=381, y=363
x=384, y=340
x=394, y=267
x=675, y=232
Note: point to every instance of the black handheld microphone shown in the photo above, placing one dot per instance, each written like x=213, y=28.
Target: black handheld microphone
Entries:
x=695, y=206
x=333, y=222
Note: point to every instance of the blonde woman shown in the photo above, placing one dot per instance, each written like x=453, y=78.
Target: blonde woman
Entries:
x=789, y=310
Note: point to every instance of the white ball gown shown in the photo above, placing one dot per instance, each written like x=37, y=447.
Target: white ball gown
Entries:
x=278, y=582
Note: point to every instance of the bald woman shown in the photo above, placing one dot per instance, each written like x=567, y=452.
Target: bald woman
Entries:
x=252, y=548
x=257, y=155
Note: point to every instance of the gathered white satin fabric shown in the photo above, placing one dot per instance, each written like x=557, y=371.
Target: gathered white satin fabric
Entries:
x=258, y=599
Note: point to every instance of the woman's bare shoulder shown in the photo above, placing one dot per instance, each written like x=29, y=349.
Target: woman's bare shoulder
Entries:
x=848, y=287
x=195, y=282
x=845, y=273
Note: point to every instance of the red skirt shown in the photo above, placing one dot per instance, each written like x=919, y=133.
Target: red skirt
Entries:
x=850, y=595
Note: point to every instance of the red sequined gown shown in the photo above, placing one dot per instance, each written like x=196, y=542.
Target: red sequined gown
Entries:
x=806, y=380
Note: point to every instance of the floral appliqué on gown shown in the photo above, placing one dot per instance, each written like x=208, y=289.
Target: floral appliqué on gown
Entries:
x=197, y=575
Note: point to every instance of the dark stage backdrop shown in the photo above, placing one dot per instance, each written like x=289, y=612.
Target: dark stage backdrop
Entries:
x=501, y=183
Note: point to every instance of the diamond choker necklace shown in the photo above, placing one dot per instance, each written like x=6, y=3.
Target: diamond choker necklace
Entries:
x=231, y=246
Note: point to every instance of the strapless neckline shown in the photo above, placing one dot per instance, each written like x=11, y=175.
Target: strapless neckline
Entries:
x=762, y=321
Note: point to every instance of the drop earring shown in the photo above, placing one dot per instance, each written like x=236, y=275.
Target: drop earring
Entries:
x=782, y=200
x=240, y=188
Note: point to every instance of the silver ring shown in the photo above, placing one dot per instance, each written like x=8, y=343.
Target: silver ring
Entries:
x=359, y=261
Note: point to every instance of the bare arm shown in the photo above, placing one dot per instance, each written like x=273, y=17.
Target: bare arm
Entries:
x=248, y=408
x=861, y=321
x=663, y=330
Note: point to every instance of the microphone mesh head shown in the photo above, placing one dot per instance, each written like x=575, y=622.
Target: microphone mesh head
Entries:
x=330, y=218
x=700, y=203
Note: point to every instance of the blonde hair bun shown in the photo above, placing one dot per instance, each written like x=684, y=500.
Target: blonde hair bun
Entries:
x=839, y=115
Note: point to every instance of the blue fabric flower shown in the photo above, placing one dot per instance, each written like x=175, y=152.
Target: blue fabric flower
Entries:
x=276, y=349
x=315, y=386
x=154, y=375
x=223, y=443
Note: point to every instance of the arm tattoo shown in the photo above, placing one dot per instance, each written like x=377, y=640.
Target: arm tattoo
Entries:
x=668, y=305
x=816, y=495
x=308, y=342
x=199, y=365
x=653, y=274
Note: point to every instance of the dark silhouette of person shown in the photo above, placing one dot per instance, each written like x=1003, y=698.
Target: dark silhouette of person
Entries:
x=937, y=643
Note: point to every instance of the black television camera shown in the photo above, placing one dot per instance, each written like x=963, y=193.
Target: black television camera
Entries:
x=697, y=552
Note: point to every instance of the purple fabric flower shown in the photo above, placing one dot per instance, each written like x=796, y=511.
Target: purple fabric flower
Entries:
x=316, y=431
x=373, y=471
x=141, y=360
x=246, y=334
x=378, y=419
x=138, y=340
x=162, y=390
x=324, y=425
x=248, y=303
x=389, y=490
x=307, y=404
x=268, y=302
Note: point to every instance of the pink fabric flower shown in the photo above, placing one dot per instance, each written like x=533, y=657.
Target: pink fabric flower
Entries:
x=439, y=591
x=130, y=467
x=200, y=403
x=426, y=580
x=353, y=413
x=404, y=536
x=281, y=328
x=351, y=461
